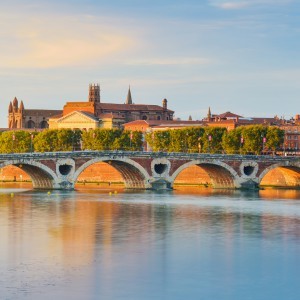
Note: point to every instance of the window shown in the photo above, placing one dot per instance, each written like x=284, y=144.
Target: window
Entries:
x=44, y=124
x=144, y=118
x=30, y=124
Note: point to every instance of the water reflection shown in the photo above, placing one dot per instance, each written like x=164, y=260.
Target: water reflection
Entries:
x=89, y=244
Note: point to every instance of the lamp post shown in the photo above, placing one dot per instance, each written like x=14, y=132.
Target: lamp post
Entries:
x=263, y=142
x=93, y=143
x=241, y=143
x=209, y=140
x=73, y=132
x=13, y=142
x=130, y=137
x=31, y=140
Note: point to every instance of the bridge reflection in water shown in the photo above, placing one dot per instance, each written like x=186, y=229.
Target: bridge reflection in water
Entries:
x=157, y=170
x=141, y=245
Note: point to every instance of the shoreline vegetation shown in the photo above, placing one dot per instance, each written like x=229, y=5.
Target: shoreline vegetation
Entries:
x=252, y=139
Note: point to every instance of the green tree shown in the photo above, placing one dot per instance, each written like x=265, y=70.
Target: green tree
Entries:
x=159, y=140
x=275, y=138
x=253, y=138
x=232, y=141
x=212, y=139
x=16, y=141
x=57, y=140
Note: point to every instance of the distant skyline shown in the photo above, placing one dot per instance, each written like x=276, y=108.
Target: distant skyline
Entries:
x=238, y=56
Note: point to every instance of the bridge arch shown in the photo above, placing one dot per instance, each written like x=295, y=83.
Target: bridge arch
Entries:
x=220, y=174
x=134, y=175
x=42, y=176
x=281, y=175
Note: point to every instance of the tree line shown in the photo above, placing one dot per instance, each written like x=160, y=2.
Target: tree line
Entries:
x=246, y=139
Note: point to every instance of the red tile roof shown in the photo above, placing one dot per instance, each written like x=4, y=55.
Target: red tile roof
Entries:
x=130, y=107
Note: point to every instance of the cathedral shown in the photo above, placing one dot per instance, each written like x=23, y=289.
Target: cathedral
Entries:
x=93, y=113
x=21, y=118
x=86, y=115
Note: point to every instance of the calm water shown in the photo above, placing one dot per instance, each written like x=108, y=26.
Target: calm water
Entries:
x=175, y=245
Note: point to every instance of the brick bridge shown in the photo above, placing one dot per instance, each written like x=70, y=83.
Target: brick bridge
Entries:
x=149, y=170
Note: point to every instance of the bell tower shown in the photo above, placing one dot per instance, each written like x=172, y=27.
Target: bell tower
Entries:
x=94, y=93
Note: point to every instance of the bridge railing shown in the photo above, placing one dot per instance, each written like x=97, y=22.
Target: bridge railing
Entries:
x=117, y=154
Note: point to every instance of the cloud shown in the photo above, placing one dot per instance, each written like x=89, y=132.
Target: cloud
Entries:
x=170, y=61
x=223, y=4
x=49, y=41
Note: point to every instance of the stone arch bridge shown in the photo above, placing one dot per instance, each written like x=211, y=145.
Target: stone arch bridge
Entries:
x=149, y=170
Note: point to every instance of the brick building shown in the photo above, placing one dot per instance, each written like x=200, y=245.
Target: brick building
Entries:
x=107, y=115
x=21, y=118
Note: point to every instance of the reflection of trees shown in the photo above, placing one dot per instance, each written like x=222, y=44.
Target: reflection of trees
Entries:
x=76, y=227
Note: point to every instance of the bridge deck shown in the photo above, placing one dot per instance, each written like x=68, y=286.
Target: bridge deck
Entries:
x=140, y=154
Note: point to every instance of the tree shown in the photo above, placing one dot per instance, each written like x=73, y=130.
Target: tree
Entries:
x=159, y=140
x=253, y=138
x=16, y=141
x=212, y=139
x=275, y=138
x=232, y=141
x=57, y=140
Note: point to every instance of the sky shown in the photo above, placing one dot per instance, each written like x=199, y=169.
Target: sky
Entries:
x=238, y=56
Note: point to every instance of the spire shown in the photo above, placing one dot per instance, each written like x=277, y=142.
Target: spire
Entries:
x=129, y=99
x=15, y=104
x=21, y=108
x=10, y=108
x=209, y=114
x=165, y=104
x=190, y=118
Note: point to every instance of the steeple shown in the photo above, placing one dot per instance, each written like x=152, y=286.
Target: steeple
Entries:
x=129, y=99
x=15, y=104
x=10, y=108
x=165, y=104
x=190, y=118
x=21, y=108
x=94, y=93
x=209, y=114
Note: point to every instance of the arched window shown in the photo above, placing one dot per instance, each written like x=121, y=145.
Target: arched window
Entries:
x=144, y=118
x=30, y=124
x=44, y=124
x=158, y=117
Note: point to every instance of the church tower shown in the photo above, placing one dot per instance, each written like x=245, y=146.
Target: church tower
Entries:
x=209, y=115
x=165, y=104
x=129, y=98
x=94, y=93
x=15, y=114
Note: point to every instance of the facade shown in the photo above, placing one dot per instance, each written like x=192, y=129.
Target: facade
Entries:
x=291, y=137
x=86, y=115
x=154, y=125
x=21, y=118
x=108, y=115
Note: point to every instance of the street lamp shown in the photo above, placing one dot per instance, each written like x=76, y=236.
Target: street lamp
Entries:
x=31, y=139
x=130, y=137
x=209, y=140
x=241, y=143
x=73, y=133
x=264, y=139
x=13, y=142
x=199, y=144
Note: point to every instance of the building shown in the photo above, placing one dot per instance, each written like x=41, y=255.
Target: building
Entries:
x=21, y=118
x=93, y=113
x=153, y=125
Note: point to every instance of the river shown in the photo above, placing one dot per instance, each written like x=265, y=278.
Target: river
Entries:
x=185, y=244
